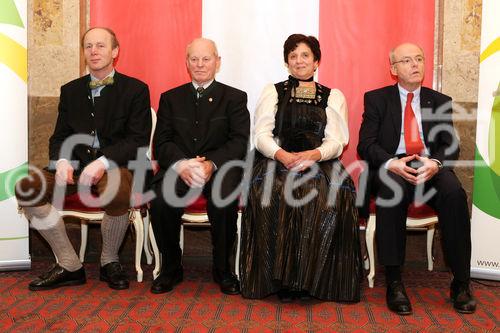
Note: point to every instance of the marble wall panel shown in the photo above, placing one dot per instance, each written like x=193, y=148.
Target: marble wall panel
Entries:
x=53, y=45
x=461, y=37
x=42, y=114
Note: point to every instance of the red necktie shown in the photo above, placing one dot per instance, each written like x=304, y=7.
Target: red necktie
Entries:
x=413, y=142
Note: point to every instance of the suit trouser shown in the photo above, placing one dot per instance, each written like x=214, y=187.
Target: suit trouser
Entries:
x=166, y=221
x=33, y=191
x=450, y=203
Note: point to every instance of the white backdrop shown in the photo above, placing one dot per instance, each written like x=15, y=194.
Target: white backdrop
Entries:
x=14, y=245
x=486, y=197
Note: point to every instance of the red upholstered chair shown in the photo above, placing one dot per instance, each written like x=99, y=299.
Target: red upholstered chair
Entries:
x=420, y=217
x=138, y=217
x=74, y=207
x=196, y=215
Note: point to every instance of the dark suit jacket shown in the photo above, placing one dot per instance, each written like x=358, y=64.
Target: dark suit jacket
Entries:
x=380, y=130
x=216, y=126
x=121, y=116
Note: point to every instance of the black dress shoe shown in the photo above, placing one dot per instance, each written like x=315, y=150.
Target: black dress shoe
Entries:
x=396, y=298
x=302, y=295
x=114, y=275
x=461, y=296
x=166, y=282
x=285, y=296
x=228, y=283
x=58, y=277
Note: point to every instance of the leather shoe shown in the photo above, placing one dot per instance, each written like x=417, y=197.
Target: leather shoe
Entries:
x=166, y=282
x=461, y=296
x=228, y=283
x=396, y=298
x=58, y=277
x=285, y=296
x=114, y=275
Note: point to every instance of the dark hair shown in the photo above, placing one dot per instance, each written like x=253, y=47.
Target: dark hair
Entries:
x=293, y=40
x=114, y=40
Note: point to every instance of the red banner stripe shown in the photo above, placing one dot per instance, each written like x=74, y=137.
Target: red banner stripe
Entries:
x=356, y=37
x=153, y=36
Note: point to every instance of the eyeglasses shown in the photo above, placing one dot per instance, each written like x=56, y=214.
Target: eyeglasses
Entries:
x=408, y=60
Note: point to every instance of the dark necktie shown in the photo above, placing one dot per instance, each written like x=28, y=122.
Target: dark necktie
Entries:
x=413, y=142
x=200, y=91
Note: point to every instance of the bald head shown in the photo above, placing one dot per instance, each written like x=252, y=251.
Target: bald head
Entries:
x=204, y=43
x=407, y=65
x=402, y=49
x=202, y=60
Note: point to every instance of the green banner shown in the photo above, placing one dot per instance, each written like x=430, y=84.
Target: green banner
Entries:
x=8, y=180
x=9, y=13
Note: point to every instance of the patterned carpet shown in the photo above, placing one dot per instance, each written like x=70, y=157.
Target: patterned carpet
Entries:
x=196, y=305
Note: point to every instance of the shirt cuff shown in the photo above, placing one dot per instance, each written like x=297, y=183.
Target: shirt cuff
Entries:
x=104, y=161
x=440, y=165
x=386, y=165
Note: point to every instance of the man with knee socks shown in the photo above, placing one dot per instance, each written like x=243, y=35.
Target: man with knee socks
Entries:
x=113, y=110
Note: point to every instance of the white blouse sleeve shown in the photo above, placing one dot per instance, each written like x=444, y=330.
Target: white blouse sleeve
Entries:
x=265, y=121
x=336, y=130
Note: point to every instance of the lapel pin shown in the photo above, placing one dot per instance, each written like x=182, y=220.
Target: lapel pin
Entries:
x=210, y=99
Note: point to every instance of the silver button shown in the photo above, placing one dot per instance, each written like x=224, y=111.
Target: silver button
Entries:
x=88, y=151
x=92, y=114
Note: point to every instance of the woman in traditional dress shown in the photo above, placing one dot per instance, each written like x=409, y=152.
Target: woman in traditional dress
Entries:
x=300, y=235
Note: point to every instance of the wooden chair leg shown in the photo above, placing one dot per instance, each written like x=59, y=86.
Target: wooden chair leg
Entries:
x=147, y=249
x=156, y=252
x=181, y=239
x=370, y=235
x=139, y=235
x=238, y=245
x=430, y=240
x=84, y=231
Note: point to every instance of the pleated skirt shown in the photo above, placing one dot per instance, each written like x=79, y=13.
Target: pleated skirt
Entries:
x=310, y=246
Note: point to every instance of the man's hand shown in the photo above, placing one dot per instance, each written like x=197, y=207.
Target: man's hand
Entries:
x=427, y=170
x=208, y=169
x=305, y=159
x=192, y=171
x=64, y=173
x=399, y=167
x=92, y=173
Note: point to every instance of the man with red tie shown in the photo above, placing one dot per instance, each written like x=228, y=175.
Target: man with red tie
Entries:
x=407, y=139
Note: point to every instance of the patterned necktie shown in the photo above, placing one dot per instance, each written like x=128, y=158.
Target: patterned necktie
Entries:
x=99, y=83
x=200, y=91
x=413, y=142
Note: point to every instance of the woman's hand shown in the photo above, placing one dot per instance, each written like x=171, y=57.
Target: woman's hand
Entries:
x=305, y=159
x=286, y=158
x=298, y=161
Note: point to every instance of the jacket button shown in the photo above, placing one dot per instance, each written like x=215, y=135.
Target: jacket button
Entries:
x=92, y=114
x=92, y=133
x=88, y=151
x=195, y=139
x=196, y=122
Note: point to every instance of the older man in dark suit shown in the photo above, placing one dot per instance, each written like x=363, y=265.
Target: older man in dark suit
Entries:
x=408, y=141
x=201, y=126
x=113, y=111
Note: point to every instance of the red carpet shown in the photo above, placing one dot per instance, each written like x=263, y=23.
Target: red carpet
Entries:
x=196, y=305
